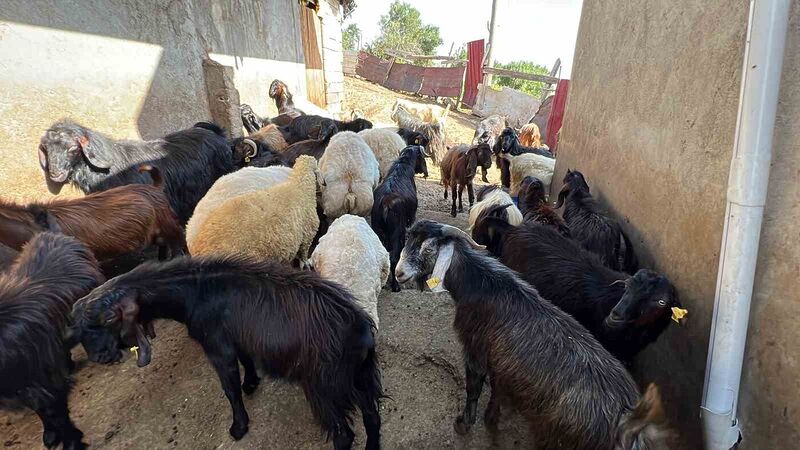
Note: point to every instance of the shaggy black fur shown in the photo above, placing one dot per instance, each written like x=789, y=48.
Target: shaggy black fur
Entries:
x=36, y=294
x=244, y=156
x=308, y=126
x=534, y=207
x=625, y=313
x=312, y=147
x=592, y=226
x=189, y=160
x=574, y=394
x=508, y=142
x=395, y=204
x=300, y=327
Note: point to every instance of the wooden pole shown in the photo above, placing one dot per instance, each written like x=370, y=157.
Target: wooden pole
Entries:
x=487, y=78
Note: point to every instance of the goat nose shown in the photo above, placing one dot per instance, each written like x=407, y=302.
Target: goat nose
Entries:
x=615, y=316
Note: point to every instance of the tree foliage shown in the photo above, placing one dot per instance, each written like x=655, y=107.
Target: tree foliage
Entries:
x=351, y=36
x=402, y=29
x=534, y=88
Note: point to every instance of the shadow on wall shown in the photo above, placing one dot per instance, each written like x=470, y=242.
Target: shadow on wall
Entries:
x=124, y=67
x=187, y=32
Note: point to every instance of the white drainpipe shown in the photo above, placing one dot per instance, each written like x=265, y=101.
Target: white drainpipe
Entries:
x=747, y=194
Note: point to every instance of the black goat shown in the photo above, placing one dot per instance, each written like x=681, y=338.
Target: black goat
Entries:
x=36, y=295
x=508, y=142
x=7, y=256
x=312, y=147
x=394, y=206
x=251, y=121
x=308, y=127
x=538, y=358
x=413, y=137
x=301, y=327
x=625, y=313
x=253, y=153
x=189, y=160
x=592, y=227
x=287, y=112
x=534, y=207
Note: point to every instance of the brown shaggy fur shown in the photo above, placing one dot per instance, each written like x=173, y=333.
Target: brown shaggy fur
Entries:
x=270, y=136
x=529, y=136
x=111, y=223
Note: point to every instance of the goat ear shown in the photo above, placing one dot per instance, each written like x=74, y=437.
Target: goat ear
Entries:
x=95, y=157
x=562, y=194
x=129, y=309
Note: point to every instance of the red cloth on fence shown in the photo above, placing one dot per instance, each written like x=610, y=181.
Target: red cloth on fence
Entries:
x=474, y=71
x=557, y=114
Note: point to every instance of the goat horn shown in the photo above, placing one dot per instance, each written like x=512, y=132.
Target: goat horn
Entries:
x=449, y=230
x=253, y=146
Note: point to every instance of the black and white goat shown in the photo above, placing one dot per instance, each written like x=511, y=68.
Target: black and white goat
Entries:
x=537, y=357
x=508, y=143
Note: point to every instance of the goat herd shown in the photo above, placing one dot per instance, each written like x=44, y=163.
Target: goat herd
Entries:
x=285, y=272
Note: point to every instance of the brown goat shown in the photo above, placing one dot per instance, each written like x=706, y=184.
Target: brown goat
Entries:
x=111, y=223
x=529, y=135
x=458, y=169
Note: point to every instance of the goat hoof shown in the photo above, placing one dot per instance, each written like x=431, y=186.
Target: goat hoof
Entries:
x=248, y=387
x=460, y=426
x=75, y=445
x=491, y=419
x=453, y=213
x=395, y=288
x=238, y=431
x=50, y=439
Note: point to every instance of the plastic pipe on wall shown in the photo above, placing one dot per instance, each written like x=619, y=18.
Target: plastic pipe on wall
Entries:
x=747, y=194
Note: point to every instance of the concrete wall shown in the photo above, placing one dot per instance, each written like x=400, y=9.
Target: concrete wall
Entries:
x=517, y=106
x=650, y=121
x=131, y=68
x=332, y=56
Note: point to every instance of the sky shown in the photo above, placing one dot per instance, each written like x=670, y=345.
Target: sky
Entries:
x=534, y=30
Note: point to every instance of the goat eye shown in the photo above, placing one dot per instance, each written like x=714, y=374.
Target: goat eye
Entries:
x=662, y=302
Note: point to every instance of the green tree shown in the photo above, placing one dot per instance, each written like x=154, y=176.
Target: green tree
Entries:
x=351, y=36
x=533, y=88
x=402, y=29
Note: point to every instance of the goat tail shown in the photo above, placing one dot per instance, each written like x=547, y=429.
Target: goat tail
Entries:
x=155, y=174
x=645, y=427
x=350, y=202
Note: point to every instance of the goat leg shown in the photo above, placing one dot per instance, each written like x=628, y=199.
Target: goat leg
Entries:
x=227, y=367
x=460, y=195
x=492, y=415
x=474, y=385
x=471, y=193
x=251, y=378
x=57, y=425
x=453, y=209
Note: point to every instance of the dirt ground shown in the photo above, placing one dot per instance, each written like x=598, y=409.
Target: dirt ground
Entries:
x=176, y=401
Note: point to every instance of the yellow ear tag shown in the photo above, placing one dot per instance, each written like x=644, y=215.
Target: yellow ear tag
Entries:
x=135, y=351
x=433, y=282
x=678, y=314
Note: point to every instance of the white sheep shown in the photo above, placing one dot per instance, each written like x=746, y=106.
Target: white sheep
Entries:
x=351, y=254
x=350, y=173
x=277, y=223
x=386, y=144
x=532, y=164
x=494, y=197
x=241, y=182
x=425, y=112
